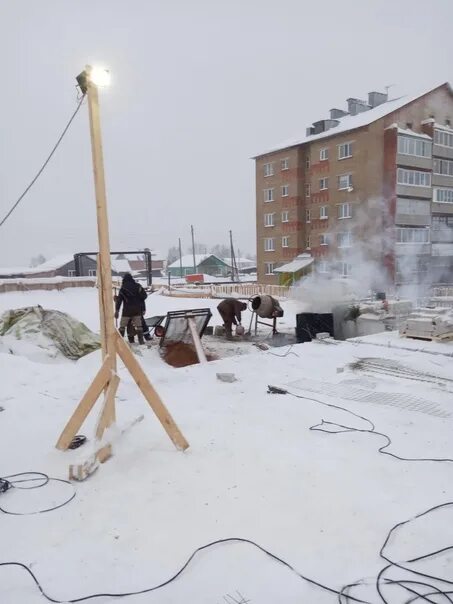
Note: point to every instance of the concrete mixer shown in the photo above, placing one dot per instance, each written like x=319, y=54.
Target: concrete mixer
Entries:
x=265, y=307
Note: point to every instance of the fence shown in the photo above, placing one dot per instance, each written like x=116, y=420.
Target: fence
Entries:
x=58, y=283
x=224, y=290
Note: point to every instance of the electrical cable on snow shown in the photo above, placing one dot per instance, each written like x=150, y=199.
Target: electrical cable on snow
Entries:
x=42, y=168
x=13, y=481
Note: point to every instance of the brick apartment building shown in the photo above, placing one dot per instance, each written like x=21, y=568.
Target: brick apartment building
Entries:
x=374, y=181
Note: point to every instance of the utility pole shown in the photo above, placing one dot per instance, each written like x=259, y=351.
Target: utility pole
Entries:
x=180, y=258
x=193, y=251
x=234, y=268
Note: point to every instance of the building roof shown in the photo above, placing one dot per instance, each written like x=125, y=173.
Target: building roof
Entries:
x=352, y=122
x=243, y=262
x=299, y=262
x=187, y=260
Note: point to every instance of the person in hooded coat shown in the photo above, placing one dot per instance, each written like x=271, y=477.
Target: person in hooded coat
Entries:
x=131, y=296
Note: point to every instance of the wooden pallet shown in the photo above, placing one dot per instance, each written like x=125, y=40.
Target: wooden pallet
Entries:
x=445, y=337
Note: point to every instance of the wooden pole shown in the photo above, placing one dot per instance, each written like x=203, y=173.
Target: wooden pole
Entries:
x=193, y=250
x=180, y=258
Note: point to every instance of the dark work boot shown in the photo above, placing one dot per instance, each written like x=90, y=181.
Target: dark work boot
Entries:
x=131, y=339
x=140, y=337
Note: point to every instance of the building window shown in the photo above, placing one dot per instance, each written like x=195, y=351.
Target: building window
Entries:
x=408, y=145
x=443, y=167
x=443, y=195
x=269, y=169
x=269, y=244
x=307, y=162
x=344, y=239
x=344, y=211
x=444, y=138
x=344, y=182
x=269, y=220
x=411, y=235
x=285, y=190
x=71, y=272
x=324, y=212
x=413, y=178
x=307, y=215
x=344, y=150
x=268, y=195
x=345, y=269
x=285, y=216
x=323, y=184
x=308, y=242
x=307, y=190
x=324, y=154
x=91, y=272
x=439, y=223
x=284, y=164
x=323, y=239
x=285, y=241
x=323, y=266
x=269, y=268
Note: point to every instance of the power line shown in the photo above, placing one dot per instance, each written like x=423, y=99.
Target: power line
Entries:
x=41, y=170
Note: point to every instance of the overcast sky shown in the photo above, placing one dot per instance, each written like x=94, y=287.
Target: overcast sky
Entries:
x=199, y=86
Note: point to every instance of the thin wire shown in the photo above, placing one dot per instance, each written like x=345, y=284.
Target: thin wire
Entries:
x=41, y=170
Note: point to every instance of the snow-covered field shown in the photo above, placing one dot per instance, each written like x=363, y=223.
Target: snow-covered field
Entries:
x=254, y=469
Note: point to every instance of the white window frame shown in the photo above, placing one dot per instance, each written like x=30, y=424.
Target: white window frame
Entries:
x=307, y=190
x=345, y=150
x=324, y=183
x=410, y=235
x=269, y=244
x=285, y=190
x=285, y=241
x=345, y=269
x=268, y=169
x=344, y=239
x=307, y=216
x=410, y=145
x=269, y=268
x=344, y=210
x=323, y=239
x=92, y=272
x=413, y=178
x=444, y=192
x=324, y=212
x=308, y=242
x=268, y=193
x=446, y=163
x=348, y=175
x=307, y=162
x=324, y=154
x=285, y=216
x=269, y=219
x=71, y=272
x=323, y=267
x=284, y=163
x=443, y=138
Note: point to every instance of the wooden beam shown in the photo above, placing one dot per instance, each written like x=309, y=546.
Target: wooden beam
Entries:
x=107, y=416
x=86, y=404
x=150, y=394
x=196, y=340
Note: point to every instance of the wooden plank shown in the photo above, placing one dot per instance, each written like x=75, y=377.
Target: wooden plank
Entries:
x=107, y=416
x=151, y=395
x=81, y=471
x=196, y=340
x=86, y=404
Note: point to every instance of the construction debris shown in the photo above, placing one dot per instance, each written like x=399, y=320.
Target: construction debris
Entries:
x=429, y=324
x=226, y=377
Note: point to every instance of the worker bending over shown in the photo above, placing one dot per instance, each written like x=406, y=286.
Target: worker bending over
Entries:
x=230, y=311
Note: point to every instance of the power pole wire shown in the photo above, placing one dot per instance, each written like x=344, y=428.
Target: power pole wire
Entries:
x=41, y=170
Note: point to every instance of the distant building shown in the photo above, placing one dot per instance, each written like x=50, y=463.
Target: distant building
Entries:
x=207, y=264
x=371, y=182
x=244, y=265
x=60, y=266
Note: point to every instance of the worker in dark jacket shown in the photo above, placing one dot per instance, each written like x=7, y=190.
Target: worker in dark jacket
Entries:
x=131, y=296
x=230, y=311
x=146, y=333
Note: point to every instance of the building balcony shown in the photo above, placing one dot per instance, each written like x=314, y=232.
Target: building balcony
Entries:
x=413, y=219
x=442, y=208
x=413, y=161
x=440, y=151
x=412, y=249
x=442, y=249
x=414, y=191
x=442, y=180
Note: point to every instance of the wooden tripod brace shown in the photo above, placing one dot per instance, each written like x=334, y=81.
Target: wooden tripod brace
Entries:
x=107, y=379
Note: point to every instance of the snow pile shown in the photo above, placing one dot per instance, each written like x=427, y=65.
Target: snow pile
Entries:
x=53, y=332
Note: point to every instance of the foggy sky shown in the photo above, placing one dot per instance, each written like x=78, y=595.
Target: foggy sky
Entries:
x=198, y=87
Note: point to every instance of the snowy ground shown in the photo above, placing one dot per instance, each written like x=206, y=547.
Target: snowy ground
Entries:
x=254, y=469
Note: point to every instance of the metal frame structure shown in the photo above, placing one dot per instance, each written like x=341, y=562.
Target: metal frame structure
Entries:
x=146, y=253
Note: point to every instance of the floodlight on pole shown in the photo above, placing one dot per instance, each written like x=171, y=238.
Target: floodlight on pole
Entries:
x=106, y=380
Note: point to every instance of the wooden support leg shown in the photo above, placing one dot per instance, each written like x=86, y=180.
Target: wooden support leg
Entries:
x=86, y=404
x=107, y=417
x=150, y=394
x=196, y=340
